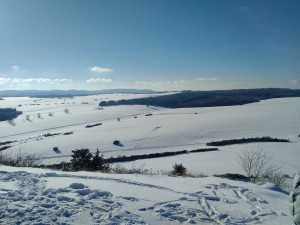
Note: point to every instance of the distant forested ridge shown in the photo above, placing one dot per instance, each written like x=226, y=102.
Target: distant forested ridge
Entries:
x=69, y=93
x=188, y=99
x=9, y=114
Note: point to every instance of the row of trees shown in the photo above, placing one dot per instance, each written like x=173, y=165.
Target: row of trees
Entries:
x=39, y=115
x=9, y=114
x=257, y=165
x=245, y=141
x=83, y=159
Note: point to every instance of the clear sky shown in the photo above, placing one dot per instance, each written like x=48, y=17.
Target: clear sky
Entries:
x=153, y=44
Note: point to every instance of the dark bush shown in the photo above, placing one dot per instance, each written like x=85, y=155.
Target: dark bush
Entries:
x=116, y=142
x=233, y=176
x=81, y=159
x=49, y=134
x=56, y=150
x=179, y=170
x=93, y=125
x=98, y=162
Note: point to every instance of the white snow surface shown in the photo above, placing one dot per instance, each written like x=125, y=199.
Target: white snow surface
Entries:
x=165, y=130
x=35, y=196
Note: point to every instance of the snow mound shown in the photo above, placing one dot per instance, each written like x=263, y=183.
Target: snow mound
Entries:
x=273, y=187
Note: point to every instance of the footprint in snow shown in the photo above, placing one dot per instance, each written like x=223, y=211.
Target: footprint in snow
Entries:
x=30, y=202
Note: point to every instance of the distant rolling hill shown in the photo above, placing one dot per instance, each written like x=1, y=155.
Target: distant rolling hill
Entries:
x=69, y=93
x=187, y=99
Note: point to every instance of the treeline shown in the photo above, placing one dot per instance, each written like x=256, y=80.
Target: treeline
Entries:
x=155, y=155
x=9, y=114
x=245, y=141
x=86, y=157
x=5, y=145
x=69, y=93
x=188, y=99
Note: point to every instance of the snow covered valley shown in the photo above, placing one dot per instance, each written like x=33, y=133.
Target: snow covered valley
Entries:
x=36, y=196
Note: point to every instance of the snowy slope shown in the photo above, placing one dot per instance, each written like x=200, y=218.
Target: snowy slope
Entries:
x=35, y=196
x=166, y=130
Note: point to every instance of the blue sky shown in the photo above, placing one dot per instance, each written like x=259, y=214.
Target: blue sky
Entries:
x=153, y=44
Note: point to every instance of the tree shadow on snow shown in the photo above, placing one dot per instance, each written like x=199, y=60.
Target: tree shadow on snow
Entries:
x=118, y=143
x=56, y=150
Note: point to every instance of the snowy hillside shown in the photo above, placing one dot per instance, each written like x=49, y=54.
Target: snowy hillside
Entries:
x=34, y=196
x=165, y=130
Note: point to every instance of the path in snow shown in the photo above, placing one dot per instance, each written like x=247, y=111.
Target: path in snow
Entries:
x=33, y=199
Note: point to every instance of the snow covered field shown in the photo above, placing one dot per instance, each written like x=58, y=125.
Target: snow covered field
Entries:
x=165, y=130
x=36, y=196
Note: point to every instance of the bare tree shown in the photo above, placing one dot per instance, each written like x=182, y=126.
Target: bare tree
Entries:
x=256, y=164
x=11, y=122
x=67, y=111
x=19, y=159
x=27, y=117
x=38, y=115
x=276, y=178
